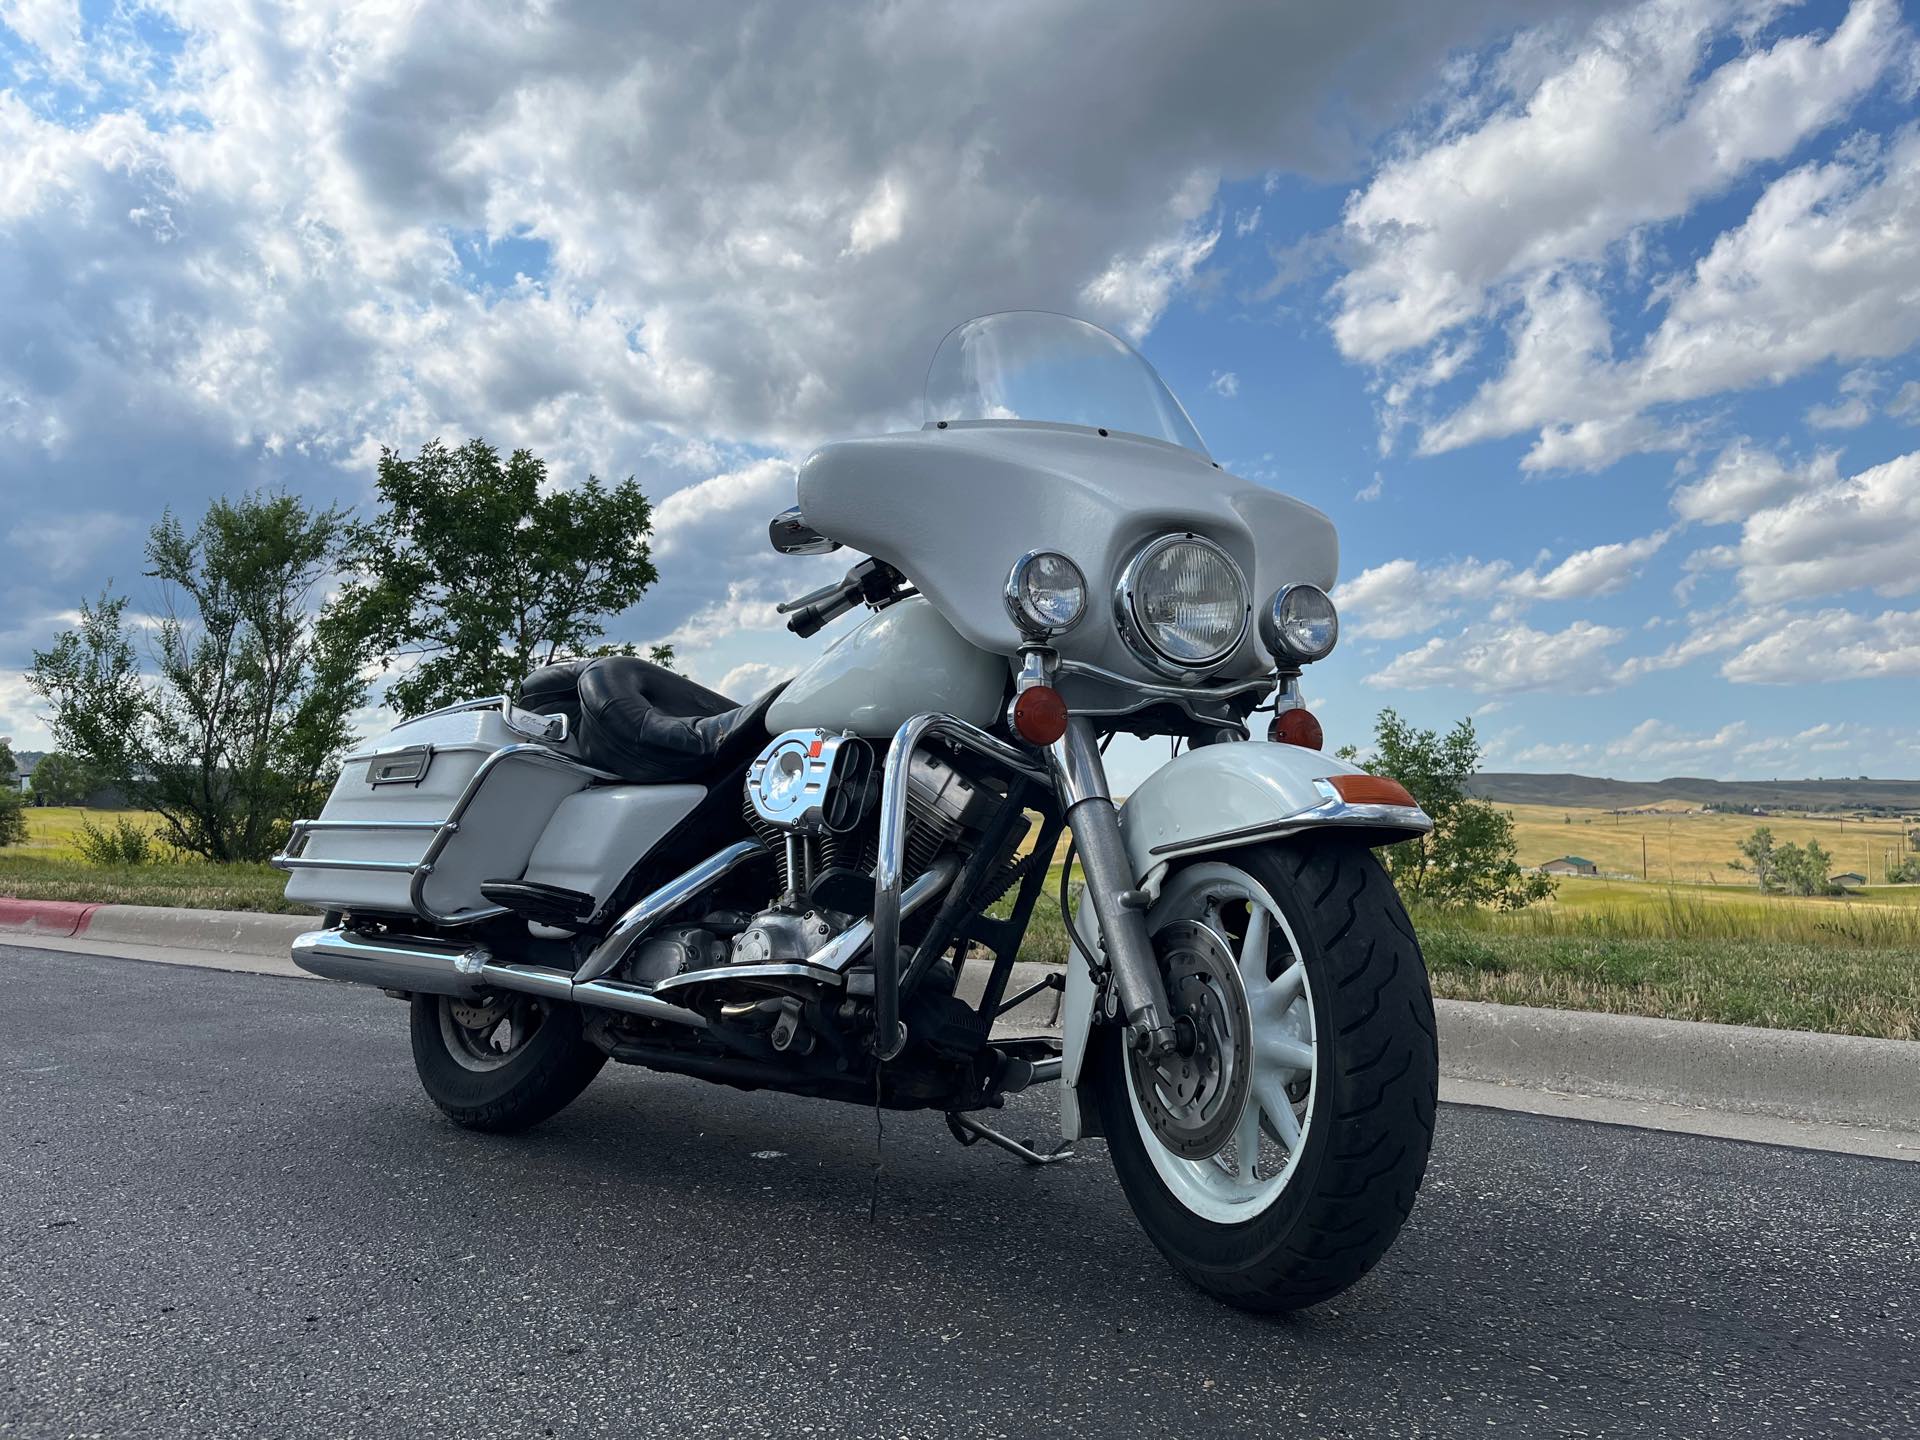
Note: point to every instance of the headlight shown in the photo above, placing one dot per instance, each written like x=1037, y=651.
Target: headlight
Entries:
x=1300, y=626
x=1182, y=604
x=1046, y=593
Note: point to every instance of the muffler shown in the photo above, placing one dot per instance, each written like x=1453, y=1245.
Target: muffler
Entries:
x=429, y=968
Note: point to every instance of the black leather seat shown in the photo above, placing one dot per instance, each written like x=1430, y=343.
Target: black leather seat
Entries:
x=646, y=724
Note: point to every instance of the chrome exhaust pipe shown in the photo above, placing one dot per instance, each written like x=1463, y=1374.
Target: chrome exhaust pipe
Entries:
x=424, y=967
x=432, y=967
x=391, y=964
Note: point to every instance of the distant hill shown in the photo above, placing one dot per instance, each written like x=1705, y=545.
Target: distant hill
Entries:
x=1894, y=796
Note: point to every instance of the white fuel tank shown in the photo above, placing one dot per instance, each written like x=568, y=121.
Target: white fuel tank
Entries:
x=897, y=663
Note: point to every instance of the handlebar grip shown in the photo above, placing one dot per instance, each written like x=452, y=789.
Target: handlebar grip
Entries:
x=812, y=619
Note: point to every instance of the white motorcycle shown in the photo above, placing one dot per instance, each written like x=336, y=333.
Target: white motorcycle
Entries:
x=825, y=891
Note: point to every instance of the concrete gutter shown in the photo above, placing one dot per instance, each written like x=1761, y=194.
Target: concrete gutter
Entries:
x=1489, y=1054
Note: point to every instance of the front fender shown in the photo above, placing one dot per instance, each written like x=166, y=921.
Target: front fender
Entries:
x=1242, y=792
x=1219, y=797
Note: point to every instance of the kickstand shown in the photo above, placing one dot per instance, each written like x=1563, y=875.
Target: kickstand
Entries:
x=967, y=1131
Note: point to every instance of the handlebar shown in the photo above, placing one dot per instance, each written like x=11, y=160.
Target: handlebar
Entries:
x=811, y=619
x=872, y=581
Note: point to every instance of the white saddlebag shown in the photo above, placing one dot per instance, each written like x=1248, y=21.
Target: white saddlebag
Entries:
x=439, y=804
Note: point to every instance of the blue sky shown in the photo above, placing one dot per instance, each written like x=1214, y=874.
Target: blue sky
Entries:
x=1593, y=327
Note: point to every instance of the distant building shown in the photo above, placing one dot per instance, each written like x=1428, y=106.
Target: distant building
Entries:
x=1573, y=865
x=1847, y=880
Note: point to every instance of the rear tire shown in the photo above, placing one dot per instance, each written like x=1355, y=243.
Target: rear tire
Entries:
x=535, y=1077
x=1365, y=1123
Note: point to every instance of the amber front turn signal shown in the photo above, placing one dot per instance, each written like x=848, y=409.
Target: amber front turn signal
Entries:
x=1370, y=790
x=1039, y=715
x=1296, y=727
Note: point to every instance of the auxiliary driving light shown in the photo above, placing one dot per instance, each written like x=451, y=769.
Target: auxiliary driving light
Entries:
x=1046, y=593
x=1300, y=626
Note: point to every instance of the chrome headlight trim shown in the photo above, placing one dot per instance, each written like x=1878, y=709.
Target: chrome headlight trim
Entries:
x=1032, y=625
x=1138, y=637
x=1273, y=631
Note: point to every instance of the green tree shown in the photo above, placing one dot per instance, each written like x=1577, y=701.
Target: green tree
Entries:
x=1759, y=858
x=13, y=809
x=241, y=722
x=60, y=779
x=475, y=572
x=1468, y=859
x=1803, y=869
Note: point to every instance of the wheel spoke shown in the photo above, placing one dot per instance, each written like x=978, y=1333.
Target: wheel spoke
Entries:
x=1279, y=1110
x=1246, y=1139
x=1288, y=988
x=1284, y=1052
x=1253, y=950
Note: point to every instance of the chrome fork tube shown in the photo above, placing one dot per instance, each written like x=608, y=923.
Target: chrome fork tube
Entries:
x=1081, y=777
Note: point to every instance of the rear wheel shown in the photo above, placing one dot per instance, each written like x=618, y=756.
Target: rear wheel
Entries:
x=500, y=1064
x=1300, y=971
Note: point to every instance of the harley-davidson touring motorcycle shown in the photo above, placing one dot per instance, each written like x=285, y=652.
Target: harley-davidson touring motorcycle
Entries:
x=824, y=891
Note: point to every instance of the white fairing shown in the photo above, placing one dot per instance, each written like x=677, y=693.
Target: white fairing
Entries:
x=952, y=509
x=899, y=662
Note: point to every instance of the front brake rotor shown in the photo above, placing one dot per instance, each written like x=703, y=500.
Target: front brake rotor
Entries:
x=1192, y=1097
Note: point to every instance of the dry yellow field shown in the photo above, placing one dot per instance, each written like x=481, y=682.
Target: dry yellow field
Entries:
x=1693, y=848
x=51, y=828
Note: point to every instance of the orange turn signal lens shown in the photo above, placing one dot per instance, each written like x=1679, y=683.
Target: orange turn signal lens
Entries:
x=1039, y=715
x=1296, y=727
x=1370, y=790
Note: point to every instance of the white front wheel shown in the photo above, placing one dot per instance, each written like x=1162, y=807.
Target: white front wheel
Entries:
x=1222, y=908
x=1330, y=1074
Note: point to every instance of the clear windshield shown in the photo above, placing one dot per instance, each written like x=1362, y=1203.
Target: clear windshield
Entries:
x=1035, y=365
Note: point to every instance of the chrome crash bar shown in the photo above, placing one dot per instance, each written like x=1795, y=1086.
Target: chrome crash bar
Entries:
x=889, y=1035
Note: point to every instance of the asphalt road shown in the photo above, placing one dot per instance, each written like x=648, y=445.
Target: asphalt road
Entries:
x=227, y=1210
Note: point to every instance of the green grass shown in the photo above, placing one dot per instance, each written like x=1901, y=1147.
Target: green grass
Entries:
x=1846, y=967
x=1783, y=985
x=48, y=867
x=193, y=885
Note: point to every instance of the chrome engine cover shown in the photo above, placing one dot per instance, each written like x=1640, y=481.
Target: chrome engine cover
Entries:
x=810, y=780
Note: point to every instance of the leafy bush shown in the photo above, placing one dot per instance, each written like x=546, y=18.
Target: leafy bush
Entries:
x=13, y=817
x=122, y=843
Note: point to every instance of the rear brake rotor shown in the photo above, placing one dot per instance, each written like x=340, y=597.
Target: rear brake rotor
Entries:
x=1192, y=1101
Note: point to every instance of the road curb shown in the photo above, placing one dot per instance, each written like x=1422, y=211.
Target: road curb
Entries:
x=1791, y=1074
x=1787, y=1074
x=64, y=918
x=223, y=932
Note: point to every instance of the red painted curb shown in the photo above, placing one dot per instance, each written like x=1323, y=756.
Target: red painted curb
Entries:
x=44, y=917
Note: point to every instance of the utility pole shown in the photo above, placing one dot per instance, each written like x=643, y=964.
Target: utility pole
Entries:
x=1643, y=855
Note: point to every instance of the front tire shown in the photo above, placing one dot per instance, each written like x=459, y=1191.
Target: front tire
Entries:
x=1332, y=1145
x=501, y=1066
